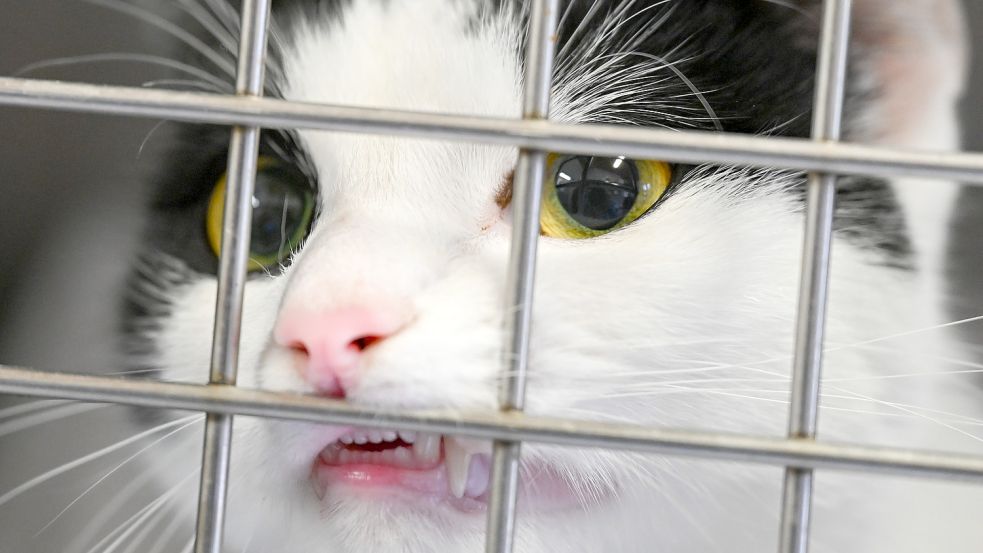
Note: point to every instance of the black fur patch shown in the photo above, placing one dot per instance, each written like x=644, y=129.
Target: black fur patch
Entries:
x=868, y=215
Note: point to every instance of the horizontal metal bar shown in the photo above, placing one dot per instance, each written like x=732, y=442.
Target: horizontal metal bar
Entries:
x=681, y=146
x=493, y=425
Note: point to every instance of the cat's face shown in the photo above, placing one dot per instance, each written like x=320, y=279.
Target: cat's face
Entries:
x=382, y=276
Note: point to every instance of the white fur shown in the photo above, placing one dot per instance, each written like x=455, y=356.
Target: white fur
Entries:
x=683, y=319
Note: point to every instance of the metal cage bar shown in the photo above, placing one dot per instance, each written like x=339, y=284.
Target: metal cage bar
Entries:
x=607, y=140
x=794, y=524
x=526, y=200
x=495, y=425
x=233, y=263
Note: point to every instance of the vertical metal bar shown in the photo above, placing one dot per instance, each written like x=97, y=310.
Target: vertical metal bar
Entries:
x=526, y=199
x=237, y=217
x=814, y=284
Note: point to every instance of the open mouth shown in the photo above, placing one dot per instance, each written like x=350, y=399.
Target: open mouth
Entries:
x=442, y=467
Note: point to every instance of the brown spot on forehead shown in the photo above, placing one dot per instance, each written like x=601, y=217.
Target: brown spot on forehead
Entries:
x=504, y=196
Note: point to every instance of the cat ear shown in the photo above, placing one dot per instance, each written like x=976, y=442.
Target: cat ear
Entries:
x=915, y=55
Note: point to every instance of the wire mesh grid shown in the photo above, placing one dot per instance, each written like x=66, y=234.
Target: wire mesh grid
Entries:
x=247, y=113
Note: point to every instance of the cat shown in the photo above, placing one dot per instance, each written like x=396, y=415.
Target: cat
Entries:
x=665, y=292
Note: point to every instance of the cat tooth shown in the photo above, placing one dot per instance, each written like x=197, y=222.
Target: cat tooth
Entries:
x=389, y=436
x=375, y=437
x=479, y=474
x=346, y=439
x=403, y=457
x=407, y=436
x=387, y=457
x=330, y=454
x=344, y=457
x=427, y=448
x=361, y=439
x=457, y=461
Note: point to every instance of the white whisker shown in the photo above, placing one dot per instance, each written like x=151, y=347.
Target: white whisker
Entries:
x=222, y=62
x=113, y=57
x=143, y=481
x=42, y=478
x=166, y=535
x=50, y=415
x=186, y=83
x=210, y=23
x=130, y=525
x=113, y=471
x=31, y=406
x=919, y=415
x=150, y=134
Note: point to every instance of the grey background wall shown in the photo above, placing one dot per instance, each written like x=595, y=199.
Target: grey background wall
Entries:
x=965, y=252
x=70, y=185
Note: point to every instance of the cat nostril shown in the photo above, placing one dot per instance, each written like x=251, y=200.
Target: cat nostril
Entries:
x=365, y=341
x=299, y=347
x=332, y=392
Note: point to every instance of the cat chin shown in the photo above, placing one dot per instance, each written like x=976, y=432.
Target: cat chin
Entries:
x=357, y=523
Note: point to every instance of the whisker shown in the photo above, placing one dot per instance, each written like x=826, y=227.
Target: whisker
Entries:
x=792, y=6
x=152, y=522
x=960, y=419
x=30, y=406
x=186, y=83
x=40, y=479
x=911, y=332
x=749, y=365
x=113, y=471
x=210, y=23
x=155, y=20
x=581, y=26
x=121, y=57
x=656, y=384
x=119, y=499
x=130, y=525
x=166, y=535
x=225, y=14
x=150, y=134
x=49, y=415
x=920, y=415
x=696, y=91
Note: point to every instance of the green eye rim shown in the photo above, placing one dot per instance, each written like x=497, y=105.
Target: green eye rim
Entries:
x=276, y=172
x=654, y=178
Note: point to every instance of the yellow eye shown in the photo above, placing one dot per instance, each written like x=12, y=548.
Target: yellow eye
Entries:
x=283, y=207
x=587, y=196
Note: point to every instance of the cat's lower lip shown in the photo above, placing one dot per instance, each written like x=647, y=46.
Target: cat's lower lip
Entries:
x=430, y=484
x=424, y=465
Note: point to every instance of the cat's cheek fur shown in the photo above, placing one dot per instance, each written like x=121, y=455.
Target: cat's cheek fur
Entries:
x=185, y=339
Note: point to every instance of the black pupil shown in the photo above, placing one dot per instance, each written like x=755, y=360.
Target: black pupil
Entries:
x=598, y=192
x=280, y=203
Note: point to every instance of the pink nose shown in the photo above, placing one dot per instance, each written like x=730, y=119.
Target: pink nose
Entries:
x=333, y=343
